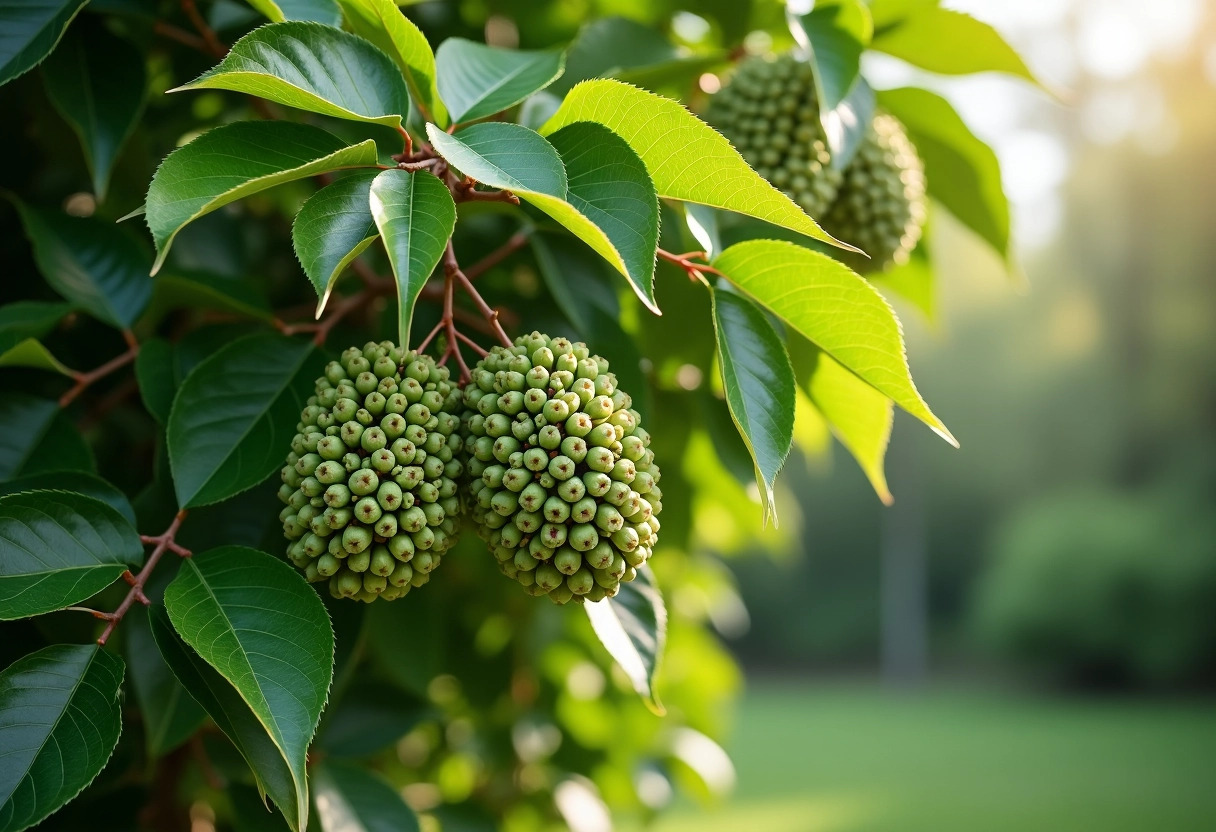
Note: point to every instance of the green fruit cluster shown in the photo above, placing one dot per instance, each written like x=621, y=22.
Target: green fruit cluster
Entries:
x=770, y=112
x=881, y=204
x=371, y=480
x=563, y=485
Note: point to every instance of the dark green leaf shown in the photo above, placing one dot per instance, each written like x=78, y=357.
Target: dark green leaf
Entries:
x=28, y=319
x=961, y=172
x=78, y=482
x=253, y=619
x=476, y=81
x=351, y=799
x=838, y=32
x=202, y=290
x=31, y=353
x=59, y=722
x=608, y=45
x=35, y=436
x=608, y=184
x=170, y=714
x=415, y=215
x=333, y=227
x=154, y=372
x=233, y=716
x=312, y=67
x=836, y=310
x=31, y=28
x=383, y=23
x=633, y=628
x=321, y=11
x=96, y=81
x=58, y=548
x=235, y=160
x=759, y=385
x=367, y=719
x=234, y=416
x=94, y=264
x=410, y=663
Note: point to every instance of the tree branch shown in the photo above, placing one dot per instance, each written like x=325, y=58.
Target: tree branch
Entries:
x=695, y=271
x=164, y=542
x=83, y=380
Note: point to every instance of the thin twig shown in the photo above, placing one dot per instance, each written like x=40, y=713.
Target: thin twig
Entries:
x=83, y=380
x=513, y=244
x=180, y=35
x=695, y=271
x=164, y=542
x=452, y=267
x=214, y=44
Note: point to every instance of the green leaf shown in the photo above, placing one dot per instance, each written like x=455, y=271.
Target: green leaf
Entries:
x=476, y=81
x=858, y=415
x=382, y=23
x=202, y=290
x=81, y=483
x=333, y=227
x=974, y=46
x=846, y=124
x=835, y=309
x=234, y=161
x=36, y=436
x=321, y=11
x=513, y=157
x=96, y=81
x=170, y=714
x=687, y=159
x=60, y=717
x=961, y=172
x=367, y=719
x=234, y=416
x=759, y=385
x=94, y=264
x=31, y=28
x=606, y=46
x=608, y=184
x=256, y=621
x=352, y=799
x=633, y=628
x=58, y=548
x=415, y=215
x=233, y=715
x=28, y=319
x=157, y=381
x=312, y=67
x=838, y=32
x=31, y=353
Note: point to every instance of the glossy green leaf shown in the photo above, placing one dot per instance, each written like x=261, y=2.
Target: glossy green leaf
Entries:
x=476, y=80
x=36, y=436
x=353, y=799
x=29, y=30
x=234, y=161
x=382, y=23
x=233, y=715
x=687, y=159
x=333, y=227
x=415, y=215
x=633, y=629
x=60, y=717
x=858, y=415
x=79, y=482
x=95, y=264
x=608, y=45
x=156, y=377
x=320, y=11
x=96, y=81
x=31, y=353
x=961, y=172
x=759, y=386
x=846, y=124
x=58, y=548
x=170, y=714
x=312, y=67
x=256, y=621
x=608, y=184
x=949, y=42
x=513, y=157
x=28, y=319
x=234, y=416
x=835, y=309
x=838, y=32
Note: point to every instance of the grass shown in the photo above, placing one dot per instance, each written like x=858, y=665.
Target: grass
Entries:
x=857, y=759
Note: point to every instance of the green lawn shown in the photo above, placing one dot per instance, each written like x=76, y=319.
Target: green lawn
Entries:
x=857, y=759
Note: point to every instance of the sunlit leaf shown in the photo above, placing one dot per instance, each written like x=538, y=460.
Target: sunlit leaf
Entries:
x=476, y=81
x=838, y=32
x=320, y=11
x=382, y=23
x=633, y=628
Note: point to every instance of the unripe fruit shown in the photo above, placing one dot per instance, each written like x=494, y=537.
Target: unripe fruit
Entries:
x=552, y=481
x=370, y=482
x=881, y=204
x=769, y=110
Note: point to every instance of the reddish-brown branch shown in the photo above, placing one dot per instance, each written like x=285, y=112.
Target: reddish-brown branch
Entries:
x=430, y=336
x=452, y=269
x=214, y=44
x=83, y=380
x=168, y=30
x=516, y=241
x=476, y=347
x=472, y=195
x=695, y=271
x=163, y=542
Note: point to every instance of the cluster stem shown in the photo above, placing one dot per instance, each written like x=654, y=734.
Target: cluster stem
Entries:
x=164, y=542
